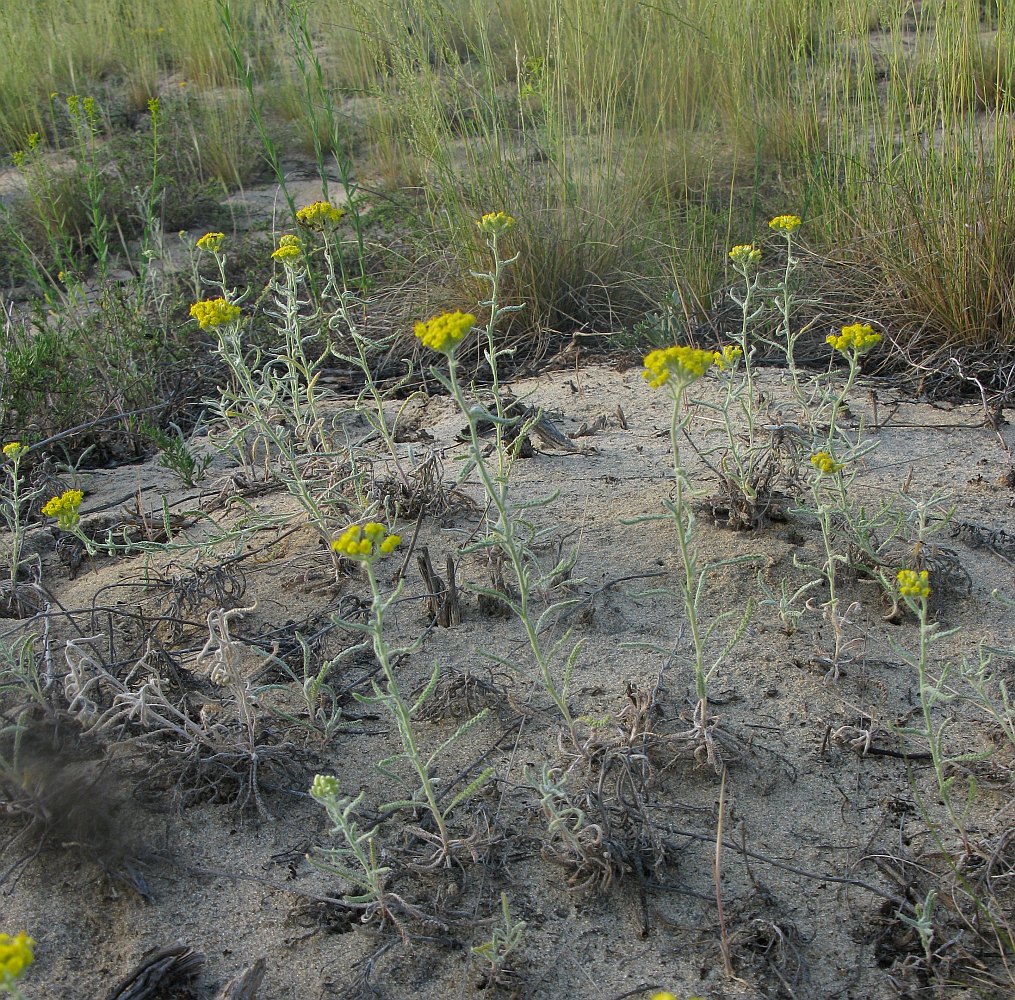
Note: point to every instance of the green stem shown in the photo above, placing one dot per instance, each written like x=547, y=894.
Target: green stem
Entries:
x=14, y=523
x=396, y=704
x=342, y=296
x=496, y=489
x=687, y=556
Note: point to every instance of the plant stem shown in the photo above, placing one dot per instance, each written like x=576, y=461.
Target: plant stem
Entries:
x=395, y=703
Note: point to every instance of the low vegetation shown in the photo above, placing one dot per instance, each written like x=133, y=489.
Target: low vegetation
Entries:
x=763, y=218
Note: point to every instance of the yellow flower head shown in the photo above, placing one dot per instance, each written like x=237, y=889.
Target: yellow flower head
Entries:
x=211, y=242
x=681, y=364
x=319, y=216
x=65, y=508
x=856, y=339
x=727, y=357
x=325, y=786
x=825, y=464
x=214, y=312
x=366, y=543
x=443, y=333
x=289, y=249
x=16, y=954
x=745, y=254
x=14, y=450
x=664, y=995
x=495, y=223
x=785, y=223
x=913, y=584
x=153, y=105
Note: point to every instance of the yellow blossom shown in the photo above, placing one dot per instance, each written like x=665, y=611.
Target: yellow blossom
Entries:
x=289, y=249
x=858, y=338
x=664, y=995
x=319, y=215
x=495, y=223
x=325, y=786
x=14, y=450
x=727, y=357
x=825, y=464
x=214, y=312
x=913, y=584
x=16, y=954
x=785, y=223
x=366, y=543
x=65, y=508
x=681, y=364
x=443, y=333
x=745, y=254
x=211, y=242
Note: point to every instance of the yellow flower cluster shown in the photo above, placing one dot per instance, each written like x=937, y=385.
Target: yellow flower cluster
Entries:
x=682, y=364
x=15, y=450
x=325, y=786
x=16, y=954
x=727, y=357
x=366, y=543
x=825, y=464
x=289, y=249
x=495, y=223
x=211, y=242
x=745, y=254
x=76, y=104
x=65, y=508
x=858, y=338
x=19, y=156
x=785, y=223
x=913, y=584
x=319, y=215
x=214, y=312
x=443, y=333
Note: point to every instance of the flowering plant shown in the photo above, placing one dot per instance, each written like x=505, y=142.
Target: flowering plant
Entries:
x=857, y=339
x=495, y=223
x=65, y=508
x=678, y=366
x=16, y=954
x=211, y=242
x=745, y=255
x=289, y=249
x=211, y=313
x=366, y=543
x=319, y=215
x=785, y=223
x=444, y=332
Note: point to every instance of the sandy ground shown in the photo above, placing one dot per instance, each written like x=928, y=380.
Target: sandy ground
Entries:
x=820, y=837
